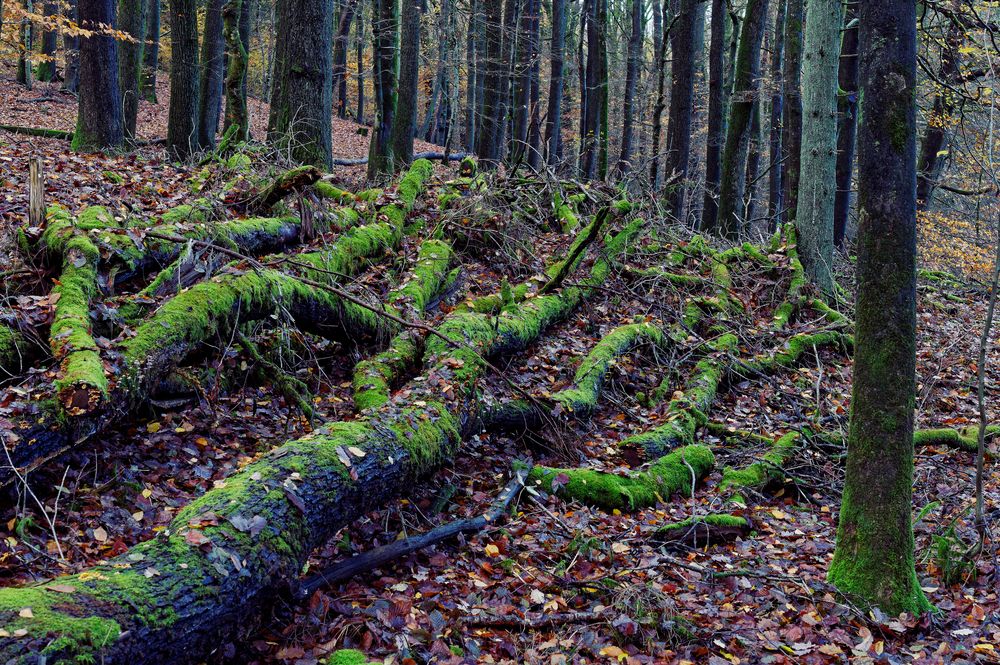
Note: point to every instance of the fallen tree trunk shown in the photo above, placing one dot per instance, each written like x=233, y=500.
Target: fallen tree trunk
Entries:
x=196, y=585
x=196, y=315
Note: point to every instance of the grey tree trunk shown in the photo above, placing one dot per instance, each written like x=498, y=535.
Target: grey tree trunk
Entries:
x=182, y=115
x=746, y=85
x=847, y=105
x=490, y=130
x=716, y=115
x=775, y=193
x=99, y=113
x=632, y=74
x=405, y=118
x=683, y=37
x=791, y=126
x=47, y=70
x=874, y=558
x=553, y=121
x=71, y=50
x=473, y=42
x=212, y=66
x=237, y=114
x=359, y=46
x=131, y=21
x=151, y=51
x=818, y=156
x=385, y=25
x=302, y=94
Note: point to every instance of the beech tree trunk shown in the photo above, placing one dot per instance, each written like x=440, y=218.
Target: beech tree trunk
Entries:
x=847, y=106
x=746, y=86
x=818, y=156
x=26, y=33
x=213, y=52
x=716, y=115
x=131, y=21
x=71, y=52
x=791, y=126
x=385, y=25
x=345, y=18
x=182, y=115
x=151, y=51
x=774, y=200
x=683, y=37
x=302, y=92
x=553, y=121
x=359, y=45
x=237, y=114
x=99, y=113
x=874, y=554
x=405, y=118
x=47, y=70
x=632, y=74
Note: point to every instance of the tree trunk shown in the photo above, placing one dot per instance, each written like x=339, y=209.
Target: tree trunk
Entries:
x=774, y=200
x=847, y=105
x=632, y=74
x=473, y=50
x=359, y=45
x=405, y=117
x=526, y=57
x=716, y=115
x=340, y=43
x=683, y=37
x=47, y=67
x=491, y=124
x=791, y=126
x=385, y=25
x=594, y=138
x=746, y=86
x=553, y=121
x=210, y=85
x=182, y=116
x=132, y=22
x=660, y=103
x=99, y=114
x=818, y=156
x=874, y=555
x=237, y=114
x=71, y=50
x=25, y=74
x=534, y=91
x=934, y=144
x=302, y=94
x=151, y=51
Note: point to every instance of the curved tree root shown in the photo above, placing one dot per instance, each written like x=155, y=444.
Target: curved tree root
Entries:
x=227, y=553
x=704, y=530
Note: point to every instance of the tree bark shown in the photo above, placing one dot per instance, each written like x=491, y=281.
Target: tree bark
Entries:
x=71, y=51
x=405, y=117
x=716, y=115
x=26, y=35
x=359, y=45
x=237, y=117
x=594, y=137
x=213, y=52
x=99, y=115
x=151, y=51
x=47, y=67
x=385, y=25
x=553, y=121
x=746, y=88
x=527, y=56
x=933, y=146
x=791, y=126
x=874, y=554
x=683, y=37
x=182, y=115
x=775, y=192
x=818, y=156
x=847, y=106
x=490, y=130
x=302, y=93
x=345, y=18
x=632, y=74
x=131, y=21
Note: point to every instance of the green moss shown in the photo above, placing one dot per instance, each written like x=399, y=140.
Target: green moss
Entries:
x=797, y=283
x=329, y=191
x=53, y=616
x=724, y=520
x=677, y=471
x=413, y=182
x=347, y=657
x=764, y=472
x=966, y=439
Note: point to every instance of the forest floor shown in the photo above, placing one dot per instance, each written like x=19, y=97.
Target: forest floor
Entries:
x=556, y=582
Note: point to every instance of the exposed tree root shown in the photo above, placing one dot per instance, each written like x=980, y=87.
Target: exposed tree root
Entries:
x=704, y=530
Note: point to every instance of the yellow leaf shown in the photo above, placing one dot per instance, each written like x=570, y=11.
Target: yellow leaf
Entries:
x=492, y=550
x=153, y=428
x=26, y=613
x=61, y=588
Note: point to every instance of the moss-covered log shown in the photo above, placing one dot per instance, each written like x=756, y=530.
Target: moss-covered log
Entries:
x=768, y=469
x=964, y=439
x=16, y=351
x=287, y=183
x=704, y=530
x=205, y=578
x=81, y=384
x=580, y=399
x=796, y=285
x=679, y=471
